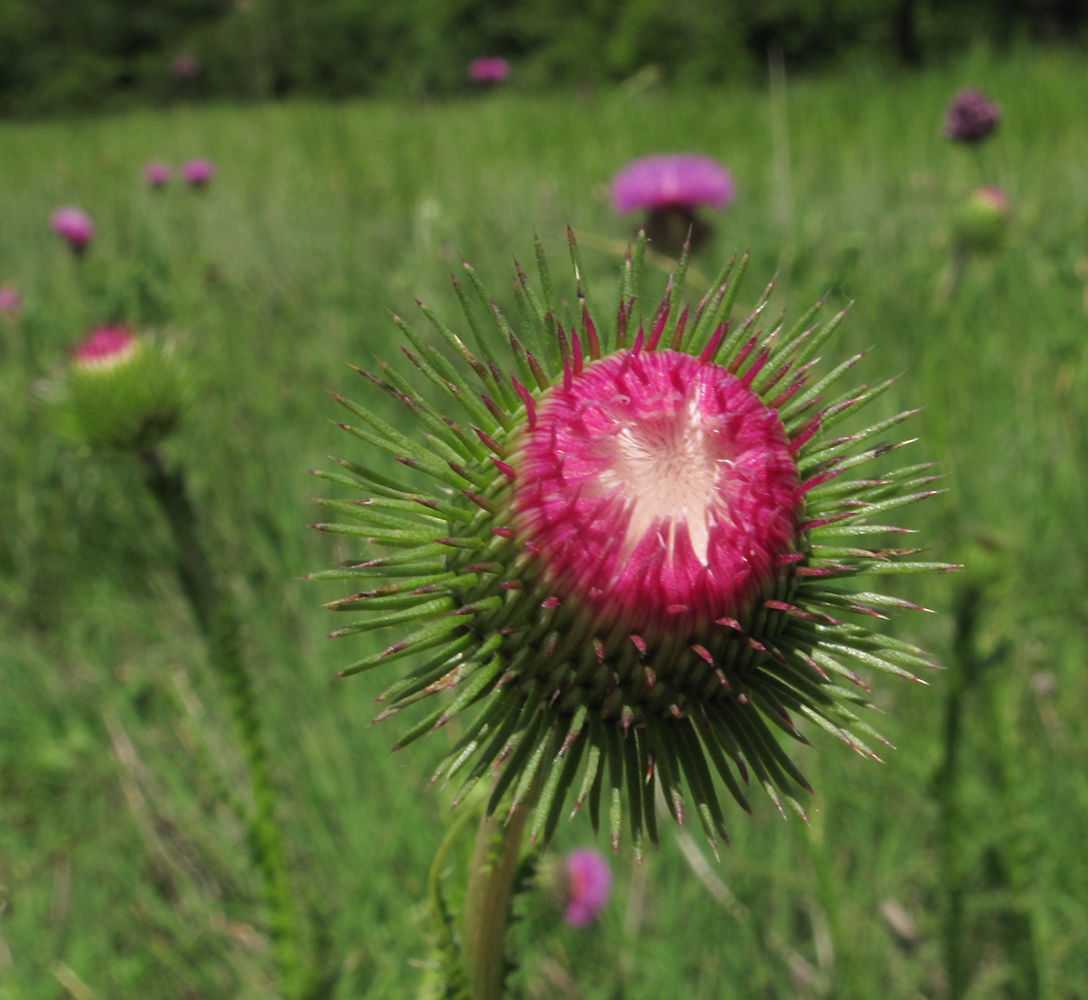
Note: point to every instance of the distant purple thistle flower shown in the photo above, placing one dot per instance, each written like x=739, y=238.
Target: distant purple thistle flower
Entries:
x=74, y=226
x=684, y=180
x=971, y=117
x=184, y=68
x=489, y=69
x=157, y=174
x=10, y=301
x=197, y=173
x=589, y=880
x=670, y=189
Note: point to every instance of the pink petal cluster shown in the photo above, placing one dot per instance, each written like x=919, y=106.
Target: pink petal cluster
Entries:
x=685, y=180
x=489, y=69
x=658, y=489
x=971, y=117
x=157, y=174
x=198, y=172
x=991, y=198
x=588, y=883
x=104, y=345
x=184, y=68
x=9, y=302
x=73, y=225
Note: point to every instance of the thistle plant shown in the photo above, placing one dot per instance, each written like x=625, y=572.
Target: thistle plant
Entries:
x=626, y=557
x=121, y=391
x=125, y=393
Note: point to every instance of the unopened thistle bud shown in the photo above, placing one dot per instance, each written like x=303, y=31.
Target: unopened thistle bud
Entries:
x=120, y=391
x=983, y=221
x=629, y=569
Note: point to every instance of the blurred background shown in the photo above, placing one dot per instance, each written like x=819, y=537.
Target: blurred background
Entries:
x=354, y=165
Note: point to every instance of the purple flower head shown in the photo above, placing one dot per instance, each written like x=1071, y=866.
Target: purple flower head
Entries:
x=971, y=117
x=157, y=174
x=74, y=226
x=588, y=882
x=9, y=302
x=489, y=69
x=184, y=68
x=197, y=173
x=683, y=180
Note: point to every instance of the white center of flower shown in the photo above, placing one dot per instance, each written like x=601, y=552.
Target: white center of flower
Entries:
x=669, y=467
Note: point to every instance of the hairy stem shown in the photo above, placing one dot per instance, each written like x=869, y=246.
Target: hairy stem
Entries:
x=214, y=613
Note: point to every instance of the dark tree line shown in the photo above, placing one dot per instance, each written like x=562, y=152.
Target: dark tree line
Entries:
x=70, y=55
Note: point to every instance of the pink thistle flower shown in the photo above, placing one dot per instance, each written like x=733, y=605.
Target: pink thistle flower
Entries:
x=197, y=173
x=489, y=70
x=658, y=490
x=74, y=226
x=157, y=174
x=588, y=883
x=684, y=180
x=10, y=301
x=971, y=117
x=184, y=68
x=104, y=347
x=671, y=189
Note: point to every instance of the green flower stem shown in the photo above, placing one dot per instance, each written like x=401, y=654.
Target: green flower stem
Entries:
x=212, y=608
x=962, y=678
x=972, y=675
x=487, y=902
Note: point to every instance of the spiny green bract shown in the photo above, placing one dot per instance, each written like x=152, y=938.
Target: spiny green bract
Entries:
x=559, y=705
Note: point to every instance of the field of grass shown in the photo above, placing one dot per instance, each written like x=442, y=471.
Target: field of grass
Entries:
x=123, y=872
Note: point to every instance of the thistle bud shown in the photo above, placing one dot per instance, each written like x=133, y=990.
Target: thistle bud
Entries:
x=120, y=391
x=634, y=566
x=982, y=223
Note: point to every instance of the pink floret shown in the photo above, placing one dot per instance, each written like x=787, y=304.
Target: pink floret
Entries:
x=489, y=69
x=684, y=180
x=658, y=490
x=157, y=174
x=589, y=880
x=103, y=344
x=197, y=172
x=9, y=301
x=73, y=225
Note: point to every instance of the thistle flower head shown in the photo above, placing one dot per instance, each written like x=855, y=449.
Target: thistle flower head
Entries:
x=157, y=174
x=971, y=117
x=489, y=70
x=587, y=883
x=671, y=190
x=104, y=347
x=74, y=226
x=197, y=173
x=684, y=180
x=121, y=391
x=628, y=574
x=10, y=302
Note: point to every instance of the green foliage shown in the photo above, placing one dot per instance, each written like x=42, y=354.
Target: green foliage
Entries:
x=71, y=55
x=125, y=859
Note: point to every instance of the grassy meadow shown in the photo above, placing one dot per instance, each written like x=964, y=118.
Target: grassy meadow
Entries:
x=123, y=872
